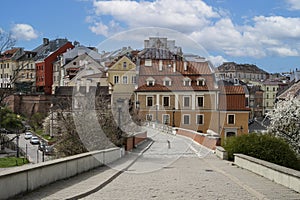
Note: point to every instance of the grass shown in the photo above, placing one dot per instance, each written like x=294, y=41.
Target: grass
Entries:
x=12, y=162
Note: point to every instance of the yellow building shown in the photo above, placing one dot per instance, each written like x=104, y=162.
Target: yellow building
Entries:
x=122, y=78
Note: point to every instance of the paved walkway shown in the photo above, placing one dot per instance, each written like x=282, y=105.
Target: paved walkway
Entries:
x=183, y=171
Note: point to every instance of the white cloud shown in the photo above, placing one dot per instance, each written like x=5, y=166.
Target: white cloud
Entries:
x=23, y=32
x=293, y=4
x=217, y=60
x=182, y=15
x=212, y=28
x=99, y=29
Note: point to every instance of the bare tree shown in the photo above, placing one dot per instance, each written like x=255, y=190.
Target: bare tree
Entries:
x=6, y=42
x=85, y=122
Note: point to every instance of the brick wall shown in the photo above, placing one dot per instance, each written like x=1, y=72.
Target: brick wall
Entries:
x=134, y=140
x=200, y=138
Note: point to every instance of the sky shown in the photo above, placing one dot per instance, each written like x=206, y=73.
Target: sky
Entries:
x=265, y=33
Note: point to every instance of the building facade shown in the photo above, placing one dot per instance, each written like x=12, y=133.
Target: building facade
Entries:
x=185, y=94
x=47, y=54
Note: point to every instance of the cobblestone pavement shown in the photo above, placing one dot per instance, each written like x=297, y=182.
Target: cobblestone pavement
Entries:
x=183, y=170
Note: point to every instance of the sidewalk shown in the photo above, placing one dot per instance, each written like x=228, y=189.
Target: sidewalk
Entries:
x=183, y=171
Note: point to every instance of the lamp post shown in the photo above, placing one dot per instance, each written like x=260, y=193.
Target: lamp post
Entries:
x=17, y=137
x=173, y=124
x=119, y=107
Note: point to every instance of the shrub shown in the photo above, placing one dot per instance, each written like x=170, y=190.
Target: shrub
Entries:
x=264, y=147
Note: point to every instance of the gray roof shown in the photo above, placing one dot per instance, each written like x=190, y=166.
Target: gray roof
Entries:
x=45, y=49
x=79, y=50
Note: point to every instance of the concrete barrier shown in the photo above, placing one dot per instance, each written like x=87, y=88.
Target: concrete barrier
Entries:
x=221, y=153
x=29, y=177
x=281, y=175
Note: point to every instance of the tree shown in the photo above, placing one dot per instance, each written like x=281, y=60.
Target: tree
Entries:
x=285, y=121
x=85, y=122
x=6, y=42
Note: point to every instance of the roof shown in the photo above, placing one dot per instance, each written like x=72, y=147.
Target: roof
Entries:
x=45, y=49
x=194, y=71
x=233, y=89
x=293, y=90
x=9, y=54
x=70, y=91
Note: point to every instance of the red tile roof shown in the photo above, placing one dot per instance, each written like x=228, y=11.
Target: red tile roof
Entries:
x=194, y=71
x=232, y=89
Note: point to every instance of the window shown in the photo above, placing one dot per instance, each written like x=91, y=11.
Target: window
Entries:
x=133, y=79
x=149, y=101
x=273, y=89
x=230, y=119
x=116, y=79
x=200, y=119
x=166, y=101
x=148, y=63
x=186, y=119
x=167, y=81
x=200, y=82
x=230, y=134
x=267, y=96
x=267, y=88
x=7, y=65
x=186, y=101
x=166, y=118
x=149, y=117
x=124, y=65
x=125, y=81
x=200, y=101
x=150, y=81
x=187, y=82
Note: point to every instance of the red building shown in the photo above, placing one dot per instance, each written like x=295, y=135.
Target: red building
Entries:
x=47, y=54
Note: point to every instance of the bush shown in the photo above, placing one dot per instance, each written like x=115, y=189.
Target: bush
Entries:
x=264, y=147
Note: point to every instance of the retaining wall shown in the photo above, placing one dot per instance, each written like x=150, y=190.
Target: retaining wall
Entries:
x=29, y=177
x=281, y=175
x=201, y=138
x=134, y=140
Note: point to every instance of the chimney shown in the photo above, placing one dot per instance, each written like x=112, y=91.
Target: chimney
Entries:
x=45, y=41
x=185, y=66
x=174, y=66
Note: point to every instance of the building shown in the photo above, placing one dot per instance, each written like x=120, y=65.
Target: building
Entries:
x=245, y=72
x=9, y=67
x=83, y=70
x=25, y=80
x=47, y=54
x=122, y=78
x=185, y=94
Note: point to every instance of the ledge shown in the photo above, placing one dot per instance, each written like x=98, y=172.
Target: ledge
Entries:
x=279, y=174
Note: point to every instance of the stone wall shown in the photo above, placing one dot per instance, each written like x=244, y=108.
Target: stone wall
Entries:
x=30, y=177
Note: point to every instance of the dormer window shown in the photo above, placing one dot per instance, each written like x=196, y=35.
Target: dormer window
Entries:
x=200, y=81
x=124, y=65
x=150, y=81
x=167, y=81
x=187, y=82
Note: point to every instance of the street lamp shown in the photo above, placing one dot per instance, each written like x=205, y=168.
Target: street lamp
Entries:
x=17, y=137
x=173, y=124
x=119, y=106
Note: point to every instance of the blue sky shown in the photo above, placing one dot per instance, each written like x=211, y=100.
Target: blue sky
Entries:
x=265, y=33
